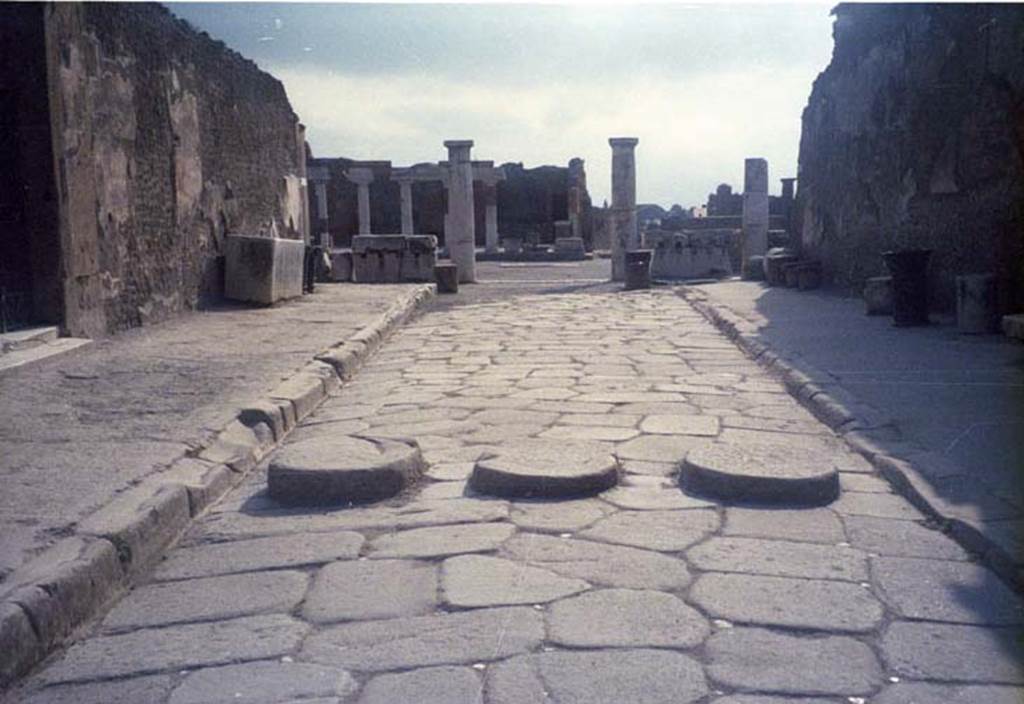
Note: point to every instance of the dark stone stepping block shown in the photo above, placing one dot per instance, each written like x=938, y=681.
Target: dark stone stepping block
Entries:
x=546, y=469
x=341, y=470
x=773, y=475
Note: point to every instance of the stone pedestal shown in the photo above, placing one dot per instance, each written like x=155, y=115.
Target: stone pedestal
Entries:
x=446, y=275
x=459, y=235
x=878, y=295
x=571, y=248
x=692, y=255
x=977, y=307
x=362, y=177
x=622, y=220
x=419, y=258
x=512, y=245
x=638, y=269
x=341, y=265
x=377, y=259
x=755, y=208
x=262, y=269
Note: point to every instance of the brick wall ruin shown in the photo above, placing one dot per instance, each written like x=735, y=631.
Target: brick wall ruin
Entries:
x=165, y=141
x=914, y=137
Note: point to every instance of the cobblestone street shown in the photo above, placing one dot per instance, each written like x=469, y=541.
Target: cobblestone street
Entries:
x=643, y=593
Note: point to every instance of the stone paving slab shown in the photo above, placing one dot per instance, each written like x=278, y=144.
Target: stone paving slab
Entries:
x=641, y=593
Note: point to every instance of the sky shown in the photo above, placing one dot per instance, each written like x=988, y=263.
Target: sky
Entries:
x=701, y=86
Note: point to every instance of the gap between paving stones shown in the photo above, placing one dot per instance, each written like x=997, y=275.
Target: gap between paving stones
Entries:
x=848, y=418
x=47, y=600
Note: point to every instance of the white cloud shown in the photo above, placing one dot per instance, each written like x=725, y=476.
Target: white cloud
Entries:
x=694, y=131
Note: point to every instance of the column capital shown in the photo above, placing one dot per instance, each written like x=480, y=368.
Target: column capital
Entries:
x=623, y=142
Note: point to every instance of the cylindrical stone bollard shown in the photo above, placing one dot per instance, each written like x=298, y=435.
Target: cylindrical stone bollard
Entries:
x=638, y=269
x=446, y=275
x=977, y=308
x=909, y=269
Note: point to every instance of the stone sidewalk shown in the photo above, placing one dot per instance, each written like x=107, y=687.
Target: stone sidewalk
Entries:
x=942, y=412
x=643, y=594
x=84, y=435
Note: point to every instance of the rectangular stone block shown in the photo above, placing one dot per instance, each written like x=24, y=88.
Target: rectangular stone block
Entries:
x=570, y=247
x=878, y=295
x=262, y=269
x=691, y=255
x=380, y=266
x=419, y=258
x=341, y=265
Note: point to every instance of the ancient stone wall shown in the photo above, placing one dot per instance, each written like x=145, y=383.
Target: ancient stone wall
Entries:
x=530, y=201
x=165, y=141
x=914, y=137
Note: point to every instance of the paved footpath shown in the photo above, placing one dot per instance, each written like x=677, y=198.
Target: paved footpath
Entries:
x=77, y=429
x=641, y=594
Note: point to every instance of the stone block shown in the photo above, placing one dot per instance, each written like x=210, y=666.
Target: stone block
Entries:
x=1013, y=326
x=419, y=258
x=878, y=295
x=262, y=269
x=774, y=262
x=753, y=268
x=570, y=248
x=381, y=266
x=977, y=305
x=362, y=244
x=341, y=265
x=690, y=255
x=19, y=645
x=447, y=276
x=563, y=230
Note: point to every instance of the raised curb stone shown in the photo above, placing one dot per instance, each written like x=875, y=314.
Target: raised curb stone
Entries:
x=761, y=660
x=438, y=639
x=763, y=474
x=341, y=470
x=624, y=618
x=546, y=469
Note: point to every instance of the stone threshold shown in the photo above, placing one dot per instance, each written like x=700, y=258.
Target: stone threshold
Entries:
x=45, y=603
x=906, y=469
x=33, y=345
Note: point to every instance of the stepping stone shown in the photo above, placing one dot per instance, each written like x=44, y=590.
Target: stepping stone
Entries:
x=341, y=470
x=546, y=469
x=764, y=474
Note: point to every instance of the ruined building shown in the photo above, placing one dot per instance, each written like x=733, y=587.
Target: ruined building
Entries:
x=913, y=137
x=529, y=201
x=131, y=144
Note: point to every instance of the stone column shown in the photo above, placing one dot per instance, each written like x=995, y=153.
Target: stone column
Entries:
x=405, y=179
x=755, y=209
x=362, y=177
x=490, y=180
x=625, y=234
x=461, y=218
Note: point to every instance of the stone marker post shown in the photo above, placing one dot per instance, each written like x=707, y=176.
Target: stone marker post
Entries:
x=625, y=234
x=459, y=235
x=755, y=209
x=362, y=177
x=405, y=179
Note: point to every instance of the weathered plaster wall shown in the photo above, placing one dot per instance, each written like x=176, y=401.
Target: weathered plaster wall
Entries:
x=164, y=141
x=914, y=137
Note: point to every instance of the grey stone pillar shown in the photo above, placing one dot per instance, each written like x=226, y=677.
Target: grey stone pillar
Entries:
x=362, y=178
x=624, y=232
x=461, y=218
x=755, y=209
x=405, y=179
x=490, y=180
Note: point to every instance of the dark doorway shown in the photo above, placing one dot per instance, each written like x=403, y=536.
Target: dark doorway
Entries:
x=30, y=292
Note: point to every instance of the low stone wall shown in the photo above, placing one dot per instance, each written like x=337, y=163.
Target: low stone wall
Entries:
x=690, y=255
